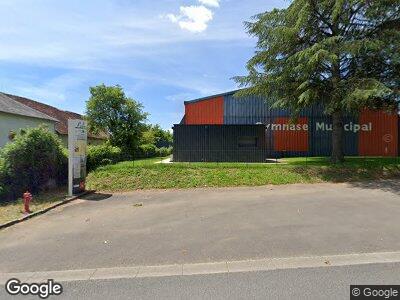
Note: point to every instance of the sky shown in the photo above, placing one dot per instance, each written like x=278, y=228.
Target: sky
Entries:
x=161, y=52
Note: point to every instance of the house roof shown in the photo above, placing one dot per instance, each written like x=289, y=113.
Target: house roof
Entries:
x=61, y=115
x=9, y=105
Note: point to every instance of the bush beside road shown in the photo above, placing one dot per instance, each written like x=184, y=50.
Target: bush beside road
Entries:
x=34, y=161
x=145, y=174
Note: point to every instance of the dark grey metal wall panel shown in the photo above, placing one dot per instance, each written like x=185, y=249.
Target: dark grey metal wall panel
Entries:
x=220, y=143
x=217, y=143
x=321, y=140
x=253, y=110
x=248, y=110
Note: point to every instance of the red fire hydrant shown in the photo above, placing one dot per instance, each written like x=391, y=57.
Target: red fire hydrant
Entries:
x=27, y=199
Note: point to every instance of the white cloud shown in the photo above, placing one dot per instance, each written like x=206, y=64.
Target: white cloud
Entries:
x=195, y=18
x=192, y=18
x=173, y=18
x=212, y=3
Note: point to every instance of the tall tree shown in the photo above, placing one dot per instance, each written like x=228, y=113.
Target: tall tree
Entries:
x=109, y=109
x=342, y=54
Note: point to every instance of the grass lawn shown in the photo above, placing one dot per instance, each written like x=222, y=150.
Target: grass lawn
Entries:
x=13, y=210
x=145, y=174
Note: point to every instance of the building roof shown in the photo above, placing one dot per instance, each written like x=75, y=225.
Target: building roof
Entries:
x=10, y=106
x=213, y=96
x=62, y=116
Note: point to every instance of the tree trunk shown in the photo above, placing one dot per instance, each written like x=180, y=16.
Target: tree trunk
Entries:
x=337, y=138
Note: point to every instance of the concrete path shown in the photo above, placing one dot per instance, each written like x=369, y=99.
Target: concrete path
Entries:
x=165, y=161
x=150, y=228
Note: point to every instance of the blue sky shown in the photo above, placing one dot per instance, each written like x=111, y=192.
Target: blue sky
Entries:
x=161, y=52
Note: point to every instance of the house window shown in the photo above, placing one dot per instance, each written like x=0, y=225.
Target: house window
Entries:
x=247, y=142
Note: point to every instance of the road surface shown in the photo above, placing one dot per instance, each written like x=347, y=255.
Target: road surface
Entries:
x=200, y=226
x=309, y=283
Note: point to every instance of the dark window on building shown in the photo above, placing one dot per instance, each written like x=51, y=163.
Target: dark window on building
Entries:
x=247, y=142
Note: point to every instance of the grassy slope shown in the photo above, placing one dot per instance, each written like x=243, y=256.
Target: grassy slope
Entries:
x=145, y=174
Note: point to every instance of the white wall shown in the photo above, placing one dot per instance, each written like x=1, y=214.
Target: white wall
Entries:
x=10, y=122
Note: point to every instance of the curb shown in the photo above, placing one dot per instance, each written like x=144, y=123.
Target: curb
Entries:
x=40, y=212
x=222, y=267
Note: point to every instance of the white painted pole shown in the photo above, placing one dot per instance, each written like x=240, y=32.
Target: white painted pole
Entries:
x=77, y=143
x=71, y=143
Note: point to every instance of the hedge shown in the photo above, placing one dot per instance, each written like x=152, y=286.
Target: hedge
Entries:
x=101, y=155
x=164, y=151
x=150, y=150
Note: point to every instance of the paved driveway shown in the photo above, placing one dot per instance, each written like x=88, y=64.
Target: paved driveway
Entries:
x=201, y=225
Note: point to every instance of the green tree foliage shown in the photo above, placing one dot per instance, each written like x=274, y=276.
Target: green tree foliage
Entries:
x=342, y=54
x=155, y=135
x=155, y=142
x=147, y=150
x=111, y=111
x=33, y=161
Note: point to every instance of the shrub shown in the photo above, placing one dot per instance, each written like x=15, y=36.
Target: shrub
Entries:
x=3, y=188
x=164, y=151
x=31, y=162
x=106, y=161
x=150, y=150
x=100, y=155
x=147, y=150
x=62, y=176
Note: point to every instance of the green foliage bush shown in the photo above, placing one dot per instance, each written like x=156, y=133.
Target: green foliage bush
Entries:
x=164, y=151
x=106, y=161
x=155, y=135
x=101, y=155
x=3, y=187
x=150, y=150
x=147, y=150
x=34, y=161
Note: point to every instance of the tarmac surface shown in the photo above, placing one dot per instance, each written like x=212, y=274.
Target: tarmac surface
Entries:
x=302, y=283
x=149, y=228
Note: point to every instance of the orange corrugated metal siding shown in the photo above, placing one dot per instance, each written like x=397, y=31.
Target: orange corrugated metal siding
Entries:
x=382, y=140
x=291, y=140
x=210, y=111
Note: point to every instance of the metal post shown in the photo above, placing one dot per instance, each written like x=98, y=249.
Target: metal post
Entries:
x=70, y=157
x=77, y=143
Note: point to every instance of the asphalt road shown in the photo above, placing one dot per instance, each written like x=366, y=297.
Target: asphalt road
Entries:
x=310, y=283
x=206, y=225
